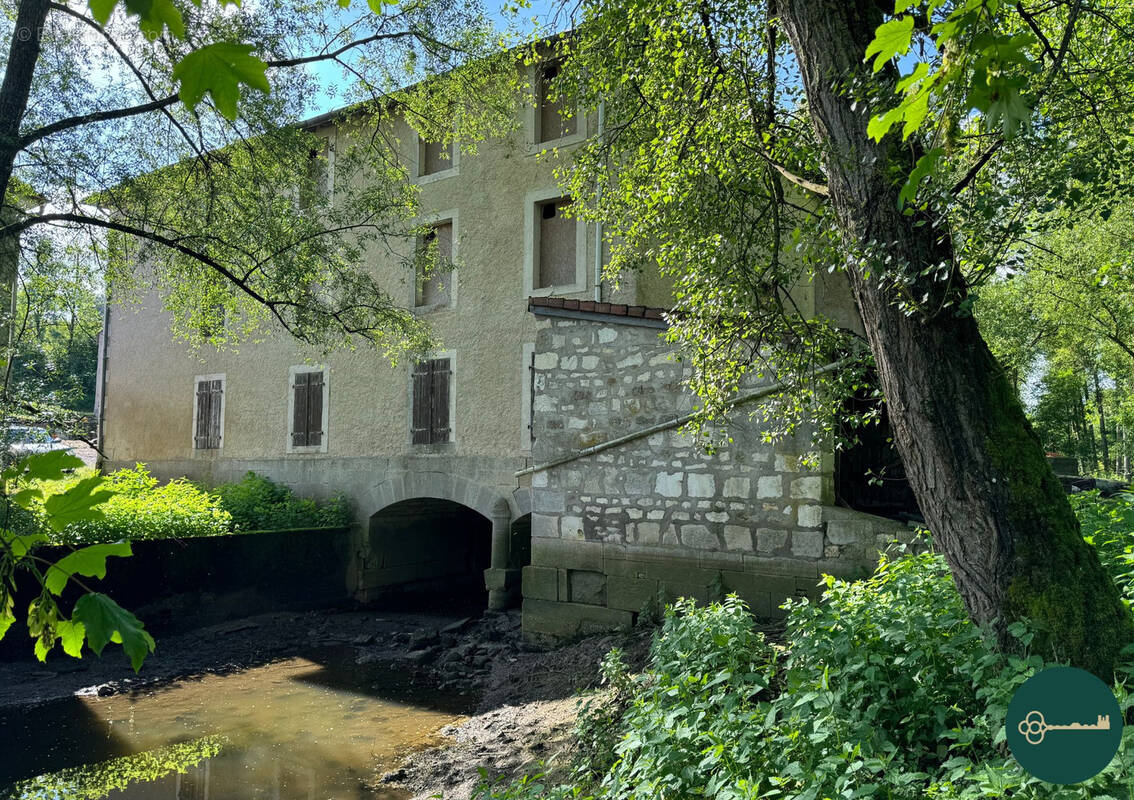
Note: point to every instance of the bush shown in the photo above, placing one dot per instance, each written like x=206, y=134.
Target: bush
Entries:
x=888, y=691
x=1108, y=524
x=141, y=509
x=257, y=503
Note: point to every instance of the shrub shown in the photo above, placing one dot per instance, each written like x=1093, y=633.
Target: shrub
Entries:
x=1108, y=524
x=888, y=691
x=141, y=509
x=258, y=503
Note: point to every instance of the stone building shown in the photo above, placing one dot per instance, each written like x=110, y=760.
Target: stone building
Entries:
x=446, y=461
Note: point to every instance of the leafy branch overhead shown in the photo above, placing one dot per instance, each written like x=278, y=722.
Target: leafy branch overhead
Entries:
x=219, y=69
x=34, y=504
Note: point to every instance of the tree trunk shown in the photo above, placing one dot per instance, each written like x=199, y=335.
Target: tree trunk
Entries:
x=995, y=507
x=1102, y=423
x=23, y=53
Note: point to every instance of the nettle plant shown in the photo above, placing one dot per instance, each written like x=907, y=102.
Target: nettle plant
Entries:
x=35, y=512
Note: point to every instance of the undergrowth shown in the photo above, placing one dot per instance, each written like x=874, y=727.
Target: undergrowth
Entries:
x=144, y=508
x=887, y=691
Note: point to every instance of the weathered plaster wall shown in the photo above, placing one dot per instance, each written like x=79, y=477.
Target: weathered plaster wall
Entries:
x=150, y=379
x=612, y=529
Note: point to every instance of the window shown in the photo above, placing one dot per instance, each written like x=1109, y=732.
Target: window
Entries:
x=431, y=398
x=433, y=266
x=307, y=408
x=434, y=157
x=434, y=160
x=556, y=260
x=552, y=122
x=208, y=412
x=320, y=175
x=555, y=257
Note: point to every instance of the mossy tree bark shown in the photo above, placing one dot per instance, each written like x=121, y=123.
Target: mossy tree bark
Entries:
x=996, y=509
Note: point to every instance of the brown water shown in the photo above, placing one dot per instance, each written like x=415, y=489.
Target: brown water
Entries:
x=293, y=730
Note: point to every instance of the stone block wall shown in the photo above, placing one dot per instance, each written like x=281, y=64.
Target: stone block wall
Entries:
x=659, y=514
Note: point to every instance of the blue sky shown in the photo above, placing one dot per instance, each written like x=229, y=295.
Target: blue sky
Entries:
x=539, y=15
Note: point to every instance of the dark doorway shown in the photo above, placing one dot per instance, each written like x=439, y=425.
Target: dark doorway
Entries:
x=520, y=547
x=429, y=552
x=869, y=474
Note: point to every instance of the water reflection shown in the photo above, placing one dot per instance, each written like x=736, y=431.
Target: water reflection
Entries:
x=293, y=730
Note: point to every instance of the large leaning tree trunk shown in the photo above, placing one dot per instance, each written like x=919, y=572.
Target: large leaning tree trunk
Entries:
x=995, y=507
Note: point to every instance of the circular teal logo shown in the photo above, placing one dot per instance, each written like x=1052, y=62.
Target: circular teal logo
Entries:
x=1063, y=725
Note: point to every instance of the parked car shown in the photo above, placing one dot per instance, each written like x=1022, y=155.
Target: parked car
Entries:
x=26, y=440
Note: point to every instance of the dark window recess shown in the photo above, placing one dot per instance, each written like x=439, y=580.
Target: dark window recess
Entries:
x=307, y=410
x=431, y=401
x=556, y=251
x=869, y=475
x=209, y=398
x=554, y=119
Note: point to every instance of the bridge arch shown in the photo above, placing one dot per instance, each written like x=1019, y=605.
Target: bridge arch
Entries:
x=436, y=528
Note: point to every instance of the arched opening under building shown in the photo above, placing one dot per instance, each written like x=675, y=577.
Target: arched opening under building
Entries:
x=428, y=553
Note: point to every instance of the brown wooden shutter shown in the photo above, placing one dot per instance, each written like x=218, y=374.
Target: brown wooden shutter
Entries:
x=314, y=409
x=299, y=410
x=214, y=421
x=439, y=400
x=420, y=424
x=204, y=398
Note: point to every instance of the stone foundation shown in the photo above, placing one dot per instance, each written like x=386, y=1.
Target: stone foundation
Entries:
x=658, y=517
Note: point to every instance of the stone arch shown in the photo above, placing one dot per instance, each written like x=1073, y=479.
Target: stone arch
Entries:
x=485, y=500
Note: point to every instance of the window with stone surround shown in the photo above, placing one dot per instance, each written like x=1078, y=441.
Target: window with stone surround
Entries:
x=555, y=119
x=433, y=266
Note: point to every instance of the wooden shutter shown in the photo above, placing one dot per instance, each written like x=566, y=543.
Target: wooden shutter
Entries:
x=314, y=409
x=439, y=400
x=420, y=424
x=214, y=425
x=204, y=400
x=299, y=410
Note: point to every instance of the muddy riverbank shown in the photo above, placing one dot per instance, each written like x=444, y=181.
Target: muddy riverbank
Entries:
x=521, y=700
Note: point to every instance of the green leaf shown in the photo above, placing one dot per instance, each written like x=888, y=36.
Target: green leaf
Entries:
x=89, y=562
x=7, y=613
x=153, y=15
x=49, y=466
x=219, y=69
x=106, y=621
x=76, y=503
x=20, y=545
x=927, y=165
x=72, y=634
x=891, y=38
x=101, y=9
x=880, y=124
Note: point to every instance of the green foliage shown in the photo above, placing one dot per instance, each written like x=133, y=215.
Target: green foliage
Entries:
x=105, y=621
x=887, y=691
x=96, y=781
x=140, y=509
x=53, y=502
x=257, y=503
x=143, y=508
x=220, y=69
x=1108, y=524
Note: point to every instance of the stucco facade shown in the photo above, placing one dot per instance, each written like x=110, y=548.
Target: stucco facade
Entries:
x=747, y=514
